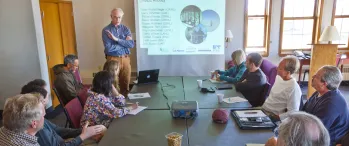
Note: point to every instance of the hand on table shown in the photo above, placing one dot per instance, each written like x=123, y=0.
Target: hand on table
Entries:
x=271, y=141
x=133, y=106
x=88, y=132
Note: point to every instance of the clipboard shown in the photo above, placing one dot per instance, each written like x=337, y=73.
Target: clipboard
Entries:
x=257, y=119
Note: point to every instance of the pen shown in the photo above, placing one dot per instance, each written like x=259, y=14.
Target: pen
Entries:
x=250, y=112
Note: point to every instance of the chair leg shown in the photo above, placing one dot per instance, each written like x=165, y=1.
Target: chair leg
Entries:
x=66, y=124
x=305, y=72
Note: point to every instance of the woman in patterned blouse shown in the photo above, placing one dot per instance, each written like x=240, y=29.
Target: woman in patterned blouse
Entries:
x=112, y=66
x=104, y=102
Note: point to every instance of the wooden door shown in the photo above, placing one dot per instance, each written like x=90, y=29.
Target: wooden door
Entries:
x=67, y=26
x=53, y=39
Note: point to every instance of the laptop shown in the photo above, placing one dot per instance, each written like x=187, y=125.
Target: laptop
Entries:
x=148, y=76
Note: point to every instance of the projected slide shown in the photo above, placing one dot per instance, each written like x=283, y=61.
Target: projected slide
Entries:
x=181, y=27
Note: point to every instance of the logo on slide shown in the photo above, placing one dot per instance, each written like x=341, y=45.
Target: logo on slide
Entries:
x=216, y=48
x=198, y=23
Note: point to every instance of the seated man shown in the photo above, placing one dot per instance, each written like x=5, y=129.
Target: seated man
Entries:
x=233, y=74
x=54, y=135
x=23, y=117
x=253, y=80
x=328, y=104
x=66, y=84
x=285, y=95
x=301, y=129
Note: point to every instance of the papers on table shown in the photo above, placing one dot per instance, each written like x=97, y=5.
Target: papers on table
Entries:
x=138, y=95
x=215, y=81
x=135, y=81
x=136, y=111
x=250, y=113
x=253, y=144
x=234, y=100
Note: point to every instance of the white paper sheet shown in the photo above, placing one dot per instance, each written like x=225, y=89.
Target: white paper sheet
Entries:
x=250, y=113
x=234, y=100
x=253, y=144
x=136, y=111
x=215, y=81
x=138, y=95
x=135, y=81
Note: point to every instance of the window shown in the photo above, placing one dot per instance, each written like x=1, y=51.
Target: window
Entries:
x=340, y=19
x=299, y=23
x=257, y=24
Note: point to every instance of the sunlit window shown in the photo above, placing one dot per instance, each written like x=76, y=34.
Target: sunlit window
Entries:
x=257, y=24
x=341, y=21
x=298, y=24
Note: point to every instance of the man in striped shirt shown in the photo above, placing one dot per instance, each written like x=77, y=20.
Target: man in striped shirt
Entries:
x=23, y=117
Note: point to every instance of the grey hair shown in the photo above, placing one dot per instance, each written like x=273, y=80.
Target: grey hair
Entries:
x=118, y=10
x=69, y=59
x=238, y=57
x=332, y=76
x=292, y=63
x=303, y=129
x=20, y=111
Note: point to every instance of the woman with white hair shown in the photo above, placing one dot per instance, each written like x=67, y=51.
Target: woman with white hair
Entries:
x=233, y=74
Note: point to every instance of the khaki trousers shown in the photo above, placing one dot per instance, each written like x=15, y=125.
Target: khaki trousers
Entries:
x=125, y=73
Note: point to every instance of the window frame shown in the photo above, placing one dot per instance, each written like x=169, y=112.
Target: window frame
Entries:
x=334, y=16
x=267, y=22
x=317, y=14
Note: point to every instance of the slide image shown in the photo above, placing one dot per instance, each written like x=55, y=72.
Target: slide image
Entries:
x=191, y=16
x=198, y=23
x=197, y=34
x=210, y=19
x=180, y=27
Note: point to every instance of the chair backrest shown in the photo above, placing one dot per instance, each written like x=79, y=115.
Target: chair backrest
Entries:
x=74, y=110
x=61, y=102
x=83, y=95
x=230, y=64
x=265, y=92
x=270, y=70
x=77, y=76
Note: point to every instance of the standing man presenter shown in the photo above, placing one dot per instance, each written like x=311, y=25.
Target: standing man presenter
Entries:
x=117, y=40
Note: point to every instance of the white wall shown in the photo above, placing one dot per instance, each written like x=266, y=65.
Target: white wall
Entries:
x=90, y=17
x=22, y=52
x=90, y=47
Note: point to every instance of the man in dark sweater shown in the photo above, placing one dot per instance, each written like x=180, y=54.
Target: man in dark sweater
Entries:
x=66, y=84
x=53, y=135
x=253, y=80
x=328, y=104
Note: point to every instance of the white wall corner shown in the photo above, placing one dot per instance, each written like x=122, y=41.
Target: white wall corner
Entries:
x=41, y=47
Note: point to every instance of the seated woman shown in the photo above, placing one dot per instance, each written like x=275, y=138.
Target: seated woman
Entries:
x=233, y=74
x=112, y=66
x=104, y=102
x=285, y=95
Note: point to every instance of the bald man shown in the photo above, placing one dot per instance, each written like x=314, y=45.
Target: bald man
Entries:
x=117, y=40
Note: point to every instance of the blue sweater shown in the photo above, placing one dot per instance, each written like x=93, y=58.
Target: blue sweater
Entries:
x=333, y=111
x=52, y=135
x=233, y=74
